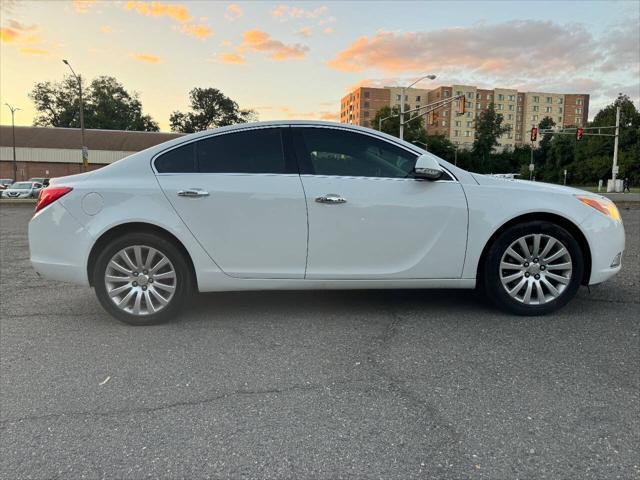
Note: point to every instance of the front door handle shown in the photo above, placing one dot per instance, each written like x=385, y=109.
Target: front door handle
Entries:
x=193, y=192
x=332, y=198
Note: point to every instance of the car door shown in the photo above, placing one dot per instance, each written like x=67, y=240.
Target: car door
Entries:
x=368, y=218
x=242, y=198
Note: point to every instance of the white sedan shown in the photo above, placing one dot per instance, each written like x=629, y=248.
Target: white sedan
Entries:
x=314, y=205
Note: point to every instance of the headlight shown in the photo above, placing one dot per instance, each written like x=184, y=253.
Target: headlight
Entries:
x=603, y=205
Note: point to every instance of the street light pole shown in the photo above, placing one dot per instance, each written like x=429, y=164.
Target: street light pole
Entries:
x=402, y=90
x=13, y=132
x=85, y=150
x=614, y=169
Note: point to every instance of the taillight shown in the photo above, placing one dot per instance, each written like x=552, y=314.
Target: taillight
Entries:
x=49, y=195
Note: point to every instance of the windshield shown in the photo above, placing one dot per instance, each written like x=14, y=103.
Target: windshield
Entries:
x=23, y=185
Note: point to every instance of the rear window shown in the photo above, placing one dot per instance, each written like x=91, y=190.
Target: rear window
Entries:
x=250, y=151
x=178, y=160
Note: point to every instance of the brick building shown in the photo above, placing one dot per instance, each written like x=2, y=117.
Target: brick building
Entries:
x=56, y=152
x=520, y=110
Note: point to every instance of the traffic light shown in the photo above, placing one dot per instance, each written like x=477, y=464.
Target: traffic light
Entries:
x=461, y=105
x=579, y=133
x=534, y=134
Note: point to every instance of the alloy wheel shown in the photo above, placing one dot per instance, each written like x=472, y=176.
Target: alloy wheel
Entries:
x=140, y=280
x=535, y=269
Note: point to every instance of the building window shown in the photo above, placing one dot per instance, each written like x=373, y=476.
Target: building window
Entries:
x=458, y=123
x=549, y=100
x=534, y=118
x=511, y=108
x=578, y=110
x=560, y=100
x=398, y=98
x=559, y=109
x=456, y=133
x=445, y=113
x=478, y=96
x=366, y=94
x=467, y=133
x=547, y=109
x=499, y=106
x=510, y=116
x=559, y=119
x=578, y=101
x=478, y=105
x=500, y=97
x=366, y=114
x=469, y=105
x=578, y=120
x=469, y=124
x=366, y=104
x=489, y=96
x=469, y=114
x=470, y=95
x=536, y=108
x=444, y=123
x=519, y=99
x=512, y=98
x=417, y=98
x=536, y=99
x=446, y=94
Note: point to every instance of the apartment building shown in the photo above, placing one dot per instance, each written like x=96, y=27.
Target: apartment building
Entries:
x=521, y=111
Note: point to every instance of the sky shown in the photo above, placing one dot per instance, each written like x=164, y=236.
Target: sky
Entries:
x=297, y=59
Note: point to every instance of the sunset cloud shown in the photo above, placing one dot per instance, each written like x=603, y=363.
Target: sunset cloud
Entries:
x=259, y=41
x=196, y=30
x=304, y=32
x=233, y=58
x=146, y=58
x=34, y=51
x=293, y=114
x=83, y=6
x=105, y=29
x=533, y=46
x=233, y=12
x=19, y=33
x=284, y=12
x=177, y=12
x=174, y=11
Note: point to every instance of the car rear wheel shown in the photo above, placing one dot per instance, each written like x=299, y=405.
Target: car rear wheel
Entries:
x=533, y=268
x=142, y=279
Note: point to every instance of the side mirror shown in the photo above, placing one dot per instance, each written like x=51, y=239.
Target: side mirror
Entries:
x=427, y=167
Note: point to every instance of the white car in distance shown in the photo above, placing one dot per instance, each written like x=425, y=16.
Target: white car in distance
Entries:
x=315, y=205
x=22, y=190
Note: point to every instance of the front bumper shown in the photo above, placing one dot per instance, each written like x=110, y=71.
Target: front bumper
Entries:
x=59, y=246
x=17, y=195
x=606, y=239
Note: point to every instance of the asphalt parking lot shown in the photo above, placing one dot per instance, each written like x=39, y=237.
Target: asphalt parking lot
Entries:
x=382, y=384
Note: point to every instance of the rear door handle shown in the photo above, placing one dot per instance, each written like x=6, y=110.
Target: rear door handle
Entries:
x=193, y=192
x=332, y=198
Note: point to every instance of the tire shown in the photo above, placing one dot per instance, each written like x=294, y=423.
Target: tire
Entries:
x=540, y=282
x=153, y=298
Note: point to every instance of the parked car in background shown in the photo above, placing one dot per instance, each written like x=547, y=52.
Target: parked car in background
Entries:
x=315, y=205
x=23, y=190
x=4, y=183
x=41, y=180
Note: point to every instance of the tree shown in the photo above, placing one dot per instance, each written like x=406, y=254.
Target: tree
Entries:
x=488, y=129
x=107, y=105
x=211, y=109
x=413, y=130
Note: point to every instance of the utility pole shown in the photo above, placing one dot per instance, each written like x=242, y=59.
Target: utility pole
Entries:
x=614, y=169
x=85, y=150
x=13, y=132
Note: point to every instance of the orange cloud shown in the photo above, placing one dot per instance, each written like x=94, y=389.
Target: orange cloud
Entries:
x=34, y=51
x=143, y=57
x=304, y=32
x=330, y=116
x=283, y=12
x=234, y=12
x=17, y=32
x=83, y=6
x=177, y=12
x=232, y=58
x=197, y=31
x=479, y=48
x=259, y=41
x=328, y=30
x=106, y=29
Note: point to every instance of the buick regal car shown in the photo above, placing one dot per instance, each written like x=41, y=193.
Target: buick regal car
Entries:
x=315, y=205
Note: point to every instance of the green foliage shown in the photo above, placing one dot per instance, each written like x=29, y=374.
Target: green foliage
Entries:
x=488, y=129
x=414, y=131
x=211, y=109
x=107, y=105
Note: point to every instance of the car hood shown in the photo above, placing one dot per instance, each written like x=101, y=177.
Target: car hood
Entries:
x=542, y=187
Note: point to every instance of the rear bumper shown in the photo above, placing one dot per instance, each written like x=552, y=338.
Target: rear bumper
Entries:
x=59, y=246
x=607, y=239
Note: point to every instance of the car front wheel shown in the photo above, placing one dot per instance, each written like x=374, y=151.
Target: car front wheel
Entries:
x=533, y=268
x=142, y=279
